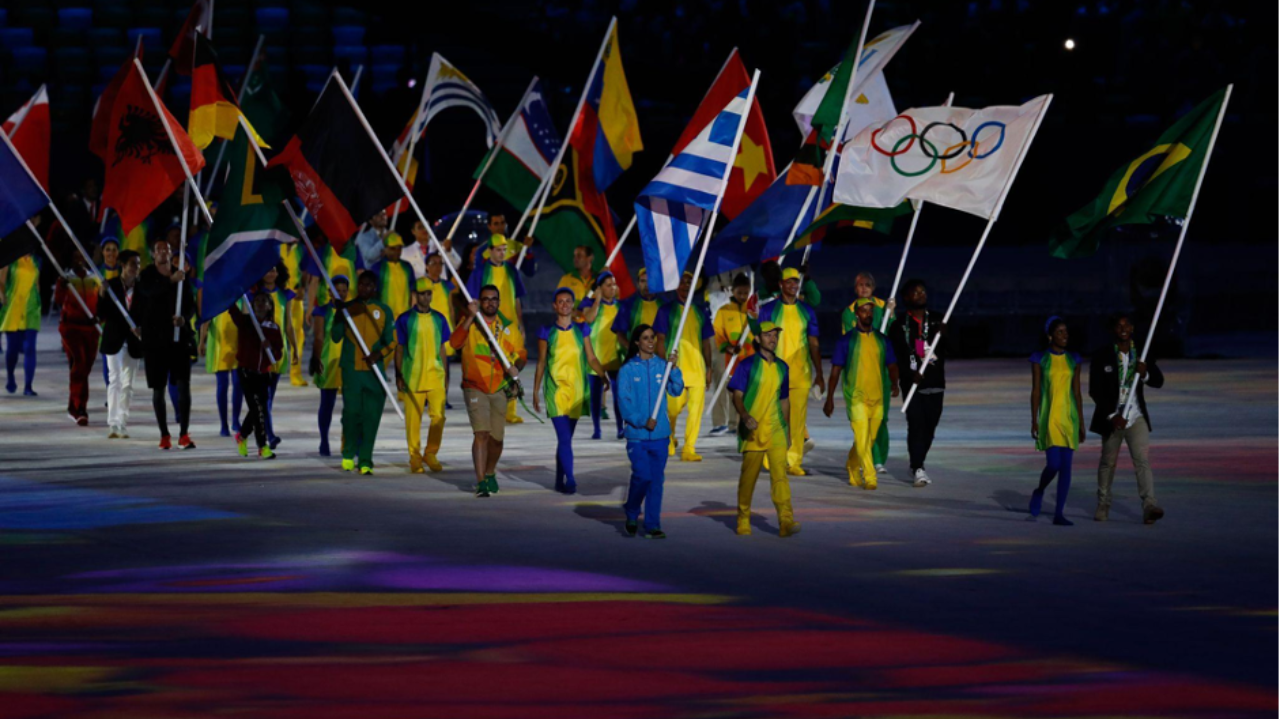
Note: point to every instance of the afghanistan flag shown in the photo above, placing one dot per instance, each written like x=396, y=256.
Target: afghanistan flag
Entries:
x=1154, y=187
x=339, y=171
x=246, y=237
x=214, y=112
x=143, y=167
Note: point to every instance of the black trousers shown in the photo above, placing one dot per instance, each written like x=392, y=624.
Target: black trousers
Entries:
x=922, y=420
x=256, y=387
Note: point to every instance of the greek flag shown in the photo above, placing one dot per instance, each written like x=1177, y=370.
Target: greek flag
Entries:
x=673, y=207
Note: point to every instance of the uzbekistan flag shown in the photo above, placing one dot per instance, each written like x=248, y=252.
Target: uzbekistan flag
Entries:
x=339, y=171
x=214, y=111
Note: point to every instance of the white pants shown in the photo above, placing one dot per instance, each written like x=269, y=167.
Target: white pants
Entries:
x=121, y=370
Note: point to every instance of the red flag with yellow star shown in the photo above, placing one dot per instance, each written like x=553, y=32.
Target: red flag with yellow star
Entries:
x=753, y=171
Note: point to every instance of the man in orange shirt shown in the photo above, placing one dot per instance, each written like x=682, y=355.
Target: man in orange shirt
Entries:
x=485, y=385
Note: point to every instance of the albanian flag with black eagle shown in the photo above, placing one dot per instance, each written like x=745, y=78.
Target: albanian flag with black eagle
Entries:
x=339, y=171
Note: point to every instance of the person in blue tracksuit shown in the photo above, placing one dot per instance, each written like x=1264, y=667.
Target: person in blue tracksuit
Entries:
x=638, y=387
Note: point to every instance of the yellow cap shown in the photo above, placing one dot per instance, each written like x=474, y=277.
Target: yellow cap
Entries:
x=497, y=241
x=790, y=273
x=393, y=240
x=766, y=327
x=422, y=285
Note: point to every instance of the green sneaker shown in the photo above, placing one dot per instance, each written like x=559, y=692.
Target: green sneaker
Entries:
x=366, y=470
x=492, y=481
x=348, y=465
x=266, y=453
x=242, y=445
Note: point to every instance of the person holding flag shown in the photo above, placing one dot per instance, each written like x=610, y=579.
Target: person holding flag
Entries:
x=79, y=332
x=865, y=362
x=166, y=360
x=694, y=351
x=912, y=334
x=421, y=334
x=565, y=355
x=20, y=313
x=362, y=398
x=600, y=312
x=273, y=284
x=798, y=347
x=647, y=436
x=325, y=364
x=580, y=280
x=500, y=273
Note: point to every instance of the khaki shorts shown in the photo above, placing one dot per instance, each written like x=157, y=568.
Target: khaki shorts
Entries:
x=487, y=412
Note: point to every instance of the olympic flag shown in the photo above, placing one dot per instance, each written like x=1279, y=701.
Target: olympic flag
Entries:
x=955, y=157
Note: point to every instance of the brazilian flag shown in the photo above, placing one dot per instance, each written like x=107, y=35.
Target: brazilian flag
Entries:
x=841, y=216
x=1155, y=186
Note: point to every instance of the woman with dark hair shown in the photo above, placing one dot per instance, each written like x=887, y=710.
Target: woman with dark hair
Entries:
x=274, y=284
x=639, y=385
x=1056, y=411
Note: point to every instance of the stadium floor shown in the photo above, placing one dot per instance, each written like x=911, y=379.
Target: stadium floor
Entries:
x=141, y=583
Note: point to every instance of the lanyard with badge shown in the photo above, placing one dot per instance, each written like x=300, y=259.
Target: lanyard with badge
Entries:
x=918, y=351
x=1128, y=367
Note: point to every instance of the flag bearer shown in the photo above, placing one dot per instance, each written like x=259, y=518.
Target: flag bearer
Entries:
x=864, y=359
x=421, y=334
x=761, y=395
x=363, y=397
x=638, y=389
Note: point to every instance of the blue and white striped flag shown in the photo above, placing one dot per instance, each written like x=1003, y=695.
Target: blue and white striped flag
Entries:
x=672, y=208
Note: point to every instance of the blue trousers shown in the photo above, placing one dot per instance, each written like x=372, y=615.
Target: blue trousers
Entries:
x=1058, y=463
x=648, y=470
x=22, y=341
x=328, y=398
x=229, y=380
x=564, y=453
x=597, y=395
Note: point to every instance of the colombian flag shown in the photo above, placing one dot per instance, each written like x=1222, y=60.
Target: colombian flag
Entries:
x=214, y=112
x=610, y=109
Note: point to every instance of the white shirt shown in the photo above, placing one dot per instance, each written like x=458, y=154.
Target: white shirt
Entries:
x=416, y=255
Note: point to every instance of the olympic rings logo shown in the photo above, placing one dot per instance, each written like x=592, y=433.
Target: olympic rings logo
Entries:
x=977, y=147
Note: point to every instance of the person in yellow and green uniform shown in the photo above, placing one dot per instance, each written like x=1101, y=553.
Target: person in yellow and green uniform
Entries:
x=335, y=263
x=20, y=319
x=395, y=276
x=497, y=271
x=274, y=283
x=565, y=356
x=580, y=279
x=1056, y=412
x=421, y=334
x=865, y=361
x=442, y=290
x=109, y=268
x=325, y=355
x=864, y=288
x=291, y=257
x=638, y=309
x=363, y=397
x=730, y=322
x=218, y=345
x=798, y=347
x=695, y=362
x=600, y=312
x=761, y=392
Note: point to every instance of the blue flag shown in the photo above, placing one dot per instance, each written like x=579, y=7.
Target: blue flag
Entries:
x=21, y=197
x=761, y=231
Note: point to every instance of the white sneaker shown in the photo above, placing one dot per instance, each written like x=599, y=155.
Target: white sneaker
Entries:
x=880, y=469
x=808, y=446
x=124, y=433
x=922, y=479
x=115, y=432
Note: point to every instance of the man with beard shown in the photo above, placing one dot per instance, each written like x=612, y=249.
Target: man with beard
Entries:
x=911, y=334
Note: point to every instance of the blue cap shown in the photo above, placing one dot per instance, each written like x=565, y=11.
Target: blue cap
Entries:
x=563, y=291
x=603, y=276
x=108, y=237
x=343, y=278
x=1048, y=324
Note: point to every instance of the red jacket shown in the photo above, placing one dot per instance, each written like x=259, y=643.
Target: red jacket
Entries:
x=249, y=351
x=69, y=308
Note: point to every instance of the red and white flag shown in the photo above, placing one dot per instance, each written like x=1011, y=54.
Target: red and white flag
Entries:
x=29, y=129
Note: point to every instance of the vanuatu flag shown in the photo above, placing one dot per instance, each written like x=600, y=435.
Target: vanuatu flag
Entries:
x=251, y=226
x=1155, y=186
x=214, y=112
x=338, y=169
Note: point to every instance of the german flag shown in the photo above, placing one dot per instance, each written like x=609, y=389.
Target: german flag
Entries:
x=214, y=111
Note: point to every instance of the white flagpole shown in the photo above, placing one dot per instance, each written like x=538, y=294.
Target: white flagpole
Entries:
x=911, y=233
x=728, y=369
x=535, y=200
x=462, y=287
x=428, y=83
x=1177, y=250
x=355, y=79
x=244, y=83
x=182, y=253
x=493, y=154
x=182, y=160
x=333, y=293
x=577, y=112
x=164, y=70
x=63, y=274
x=1004, y=192
x=88, y=259
x=704, y=237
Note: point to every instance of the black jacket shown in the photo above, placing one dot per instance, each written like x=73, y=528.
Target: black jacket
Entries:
x=1104, y=388
x=115, y=330
x=903, y=333
x=159, y=300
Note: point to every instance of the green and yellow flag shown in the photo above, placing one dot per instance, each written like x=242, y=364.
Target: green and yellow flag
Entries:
x=1155, y=186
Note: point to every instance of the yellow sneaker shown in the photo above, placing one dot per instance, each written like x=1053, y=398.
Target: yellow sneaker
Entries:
x=788, y=529
x=415, y=464
x=690, y=457
x=366, y=470
x=348, y=465
x=432, y=463
x=515, y=420
x=797, y=472
x=744, y=527
x=671, y=448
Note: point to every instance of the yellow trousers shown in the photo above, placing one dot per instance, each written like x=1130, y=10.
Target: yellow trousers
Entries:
x=799, y=423
x=414, y=402
x=297, y=321
x=695, y=397
x=865, y=420
x=779, y=487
